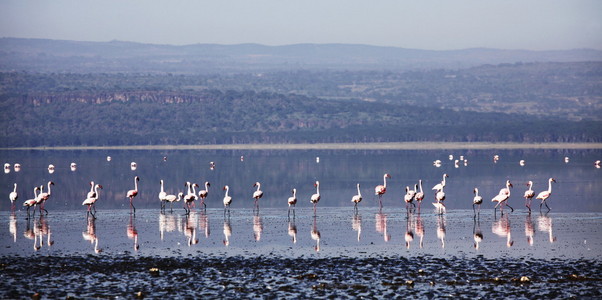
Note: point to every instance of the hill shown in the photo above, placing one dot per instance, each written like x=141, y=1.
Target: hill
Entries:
x=39, y=55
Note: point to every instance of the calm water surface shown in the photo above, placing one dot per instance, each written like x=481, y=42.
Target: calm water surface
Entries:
x=336, y=252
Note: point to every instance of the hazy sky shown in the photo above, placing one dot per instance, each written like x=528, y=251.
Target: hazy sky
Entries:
x=420, y=24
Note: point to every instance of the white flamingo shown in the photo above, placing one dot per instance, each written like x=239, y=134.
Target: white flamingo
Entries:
x=91, y=201
x=529, y=194
x=477, y=200
x=227, y=199
x=441, y=185
x=408, y=198
x=204, y=193
x=257, y=194
x=440, y=195
x=315, y=198
x=357, y=198
x=190, y=196
x=502, y=197
x=13, y=196
x=91, y=193
x=292, y=201
x=546, y=194
x=419, y=195
x=133, y=193
x=43, y=197
x=173, y=198
x=162, y=195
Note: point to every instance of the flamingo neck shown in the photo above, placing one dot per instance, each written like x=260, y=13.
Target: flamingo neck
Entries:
x=420, y=184
x=162, y=190
x=49, y=187
x=318, y=189
x=549, y=186
x=385, y=181
x=15, y=189
x=135, y=184
x=35, y=193
x=358, y=190
x=227, y=190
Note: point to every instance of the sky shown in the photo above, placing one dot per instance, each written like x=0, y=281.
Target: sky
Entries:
x=419, y=24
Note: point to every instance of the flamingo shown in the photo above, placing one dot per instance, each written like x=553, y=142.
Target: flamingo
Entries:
x=409, y=197
x=502, y=197
x=440, y=195
x=380, y=190
x=203, y=193
x=227, y=199
x=190, y=197
x=45, y=196
x=91, y=201
x=315, y=198
x=91, y=193
x=292, y=201
x=172, y=198
x=441, y=185
x=13, y=196
x=546, y=194
x=419, y=195
x=32, y=202
x=477, y=200
x=529, y=194
x=132, y=193
x=162, y=195
x=357, y=198
x=257, y=194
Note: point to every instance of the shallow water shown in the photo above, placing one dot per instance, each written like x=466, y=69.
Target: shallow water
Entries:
x=335, y=252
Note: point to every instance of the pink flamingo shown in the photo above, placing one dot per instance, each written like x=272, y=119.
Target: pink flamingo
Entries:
x=380, y=190
x=91, y=201
x=529, y=194
x=292, y=201
x=419, y=195
x=32, y=202
x=44, y=197
x=133, y=193
x=357, y=198
x=257, y=194
x=204, y=193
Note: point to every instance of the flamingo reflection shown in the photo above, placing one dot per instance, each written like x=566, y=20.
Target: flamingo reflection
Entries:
x=381, y=225
x=356, y=224
x=31, y=235
x=409, y=235
x=90, y=234
x=501, y=228
x=441, y=222
x=204, y=223
x=167, y=223
x=477, y=234
x=12, y=225
x=529, y=229
x=544, y=223
x=190, y=228
x=227, y=230
x=292, y=229
x=419, y=229
x=315, y=235
x=257, y=227
x=132, y=233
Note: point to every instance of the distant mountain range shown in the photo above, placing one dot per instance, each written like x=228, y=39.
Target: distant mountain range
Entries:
x=41, y=55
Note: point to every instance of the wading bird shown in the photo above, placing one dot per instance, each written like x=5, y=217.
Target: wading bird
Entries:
x=357, y=198
x=546, y=194
x=477, y=200
x=133, y=193
x=315, y=198
x=529, y=194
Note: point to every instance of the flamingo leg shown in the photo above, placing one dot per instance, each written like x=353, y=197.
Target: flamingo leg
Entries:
x=132, y=205
x=473, y=209
x=511, y=209
x=546, y=203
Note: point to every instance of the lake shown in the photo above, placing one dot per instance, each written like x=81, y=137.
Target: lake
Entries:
x=567, y=235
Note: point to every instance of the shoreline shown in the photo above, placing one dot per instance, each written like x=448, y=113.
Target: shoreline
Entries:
x=335, y=146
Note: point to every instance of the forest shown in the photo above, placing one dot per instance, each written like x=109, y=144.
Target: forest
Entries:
x=522, y=102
